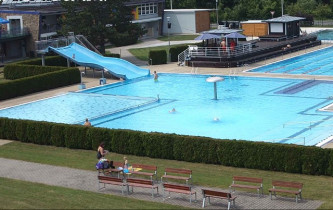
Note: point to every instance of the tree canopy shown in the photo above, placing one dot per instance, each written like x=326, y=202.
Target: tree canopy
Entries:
x=97, y=20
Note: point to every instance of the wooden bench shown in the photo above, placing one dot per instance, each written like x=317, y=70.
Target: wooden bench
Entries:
x=185, y=189
x=112, y=181
x=147, y=170
x=141, y=183
x=116, y=169
x=177, y=171
x=247, y=182
x=286, y=188
x=217, y=194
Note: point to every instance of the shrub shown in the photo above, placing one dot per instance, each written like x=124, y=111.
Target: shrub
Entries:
x=158, y=57
x=256, y=155
x=17, y=71
x=113, y=55
x=49, y=61
x=123, y=39
x=40, y=82
x=175, y=51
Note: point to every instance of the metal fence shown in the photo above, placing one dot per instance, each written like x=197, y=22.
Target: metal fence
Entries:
x=4, y=34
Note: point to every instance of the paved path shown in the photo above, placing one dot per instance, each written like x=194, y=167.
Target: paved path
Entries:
x=87, y=181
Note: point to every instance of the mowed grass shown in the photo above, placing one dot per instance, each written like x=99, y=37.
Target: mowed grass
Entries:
x=17, y=194
x=143, y=53
x=315, y=187
x=177, y=37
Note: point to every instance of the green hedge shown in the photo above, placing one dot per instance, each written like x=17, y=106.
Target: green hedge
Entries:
x=175, y=51
x=49, y=61
x=158, y=57
x=113, y=55
x=17, y=71
x=40, y=82
x=243, y=154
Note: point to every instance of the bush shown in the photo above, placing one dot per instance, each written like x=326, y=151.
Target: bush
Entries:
x=49, y=61
x=40, y=82
x=123, y=39
x=255, y=155
x=175, y=51
x=17, y=71
x=158, y=57
x=112, y=55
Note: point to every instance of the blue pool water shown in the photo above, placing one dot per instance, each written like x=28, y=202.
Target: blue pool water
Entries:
x=315, y=63
x=325, y=34
x=256, y=109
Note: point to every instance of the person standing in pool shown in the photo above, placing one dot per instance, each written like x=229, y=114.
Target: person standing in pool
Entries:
x=87, y=123
x=155, y=76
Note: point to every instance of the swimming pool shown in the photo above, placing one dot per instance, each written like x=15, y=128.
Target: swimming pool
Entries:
x=319, y=62
x=325, y=34
x=256, y=109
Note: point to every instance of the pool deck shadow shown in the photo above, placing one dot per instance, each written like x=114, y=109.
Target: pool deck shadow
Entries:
x=87, y=181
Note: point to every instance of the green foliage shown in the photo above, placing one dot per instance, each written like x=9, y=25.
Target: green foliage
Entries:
x=40, y=82
x=123, y=39
x=175, y=51
x=49, y=61
x=158, y=57
x=92, y=17
x=112, y=55
x=17, y=71
x=241, y=154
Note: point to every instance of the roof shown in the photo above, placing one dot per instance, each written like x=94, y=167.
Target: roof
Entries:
x=222, y=31
x=284, y=19
x=252, y=21
x=187, y=10
x=46, y=9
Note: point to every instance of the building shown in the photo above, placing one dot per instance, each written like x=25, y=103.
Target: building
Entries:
x=285, y=25
x=254, y=28
x=34, y=20
x=186, y=21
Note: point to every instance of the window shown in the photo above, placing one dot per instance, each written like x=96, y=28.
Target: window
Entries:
x=146, y=9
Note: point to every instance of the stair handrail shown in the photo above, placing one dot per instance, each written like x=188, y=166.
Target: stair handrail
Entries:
x=90, y=46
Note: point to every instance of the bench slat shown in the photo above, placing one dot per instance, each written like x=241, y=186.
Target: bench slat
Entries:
x=287, y=184
x=284, y=191
x=247, y=179
x=245, y=186
x=178, y=171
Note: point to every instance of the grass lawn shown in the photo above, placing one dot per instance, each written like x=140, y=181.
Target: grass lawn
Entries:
x=177, y=37
x=142, y=53
x=17, y=194
x=315, y=187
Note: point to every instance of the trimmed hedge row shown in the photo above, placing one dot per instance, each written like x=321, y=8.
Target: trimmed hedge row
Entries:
x=49, y=61
x=158, y=57
x=112, y=55
x=17, y=71
x=175, y=51
x=243, y=154
x=40, y=82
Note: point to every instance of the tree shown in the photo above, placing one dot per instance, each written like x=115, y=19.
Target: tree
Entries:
x=323, y=11
x=97, y=20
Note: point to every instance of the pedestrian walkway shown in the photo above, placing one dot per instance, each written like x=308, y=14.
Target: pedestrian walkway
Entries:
x=87, y=181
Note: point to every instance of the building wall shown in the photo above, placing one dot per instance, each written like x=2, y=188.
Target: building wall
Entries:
x=255, y=29
x=30, y=21
x=181, y=23
x=202, y=21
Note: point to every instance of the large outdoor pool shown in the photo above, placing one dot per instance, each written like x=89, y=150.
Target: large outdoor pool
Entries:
x=256, y=109
x=319, y=62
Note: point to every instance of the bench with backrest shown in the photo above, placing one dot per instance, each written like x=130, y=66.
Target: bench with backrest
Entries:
x=247, y=183
x=185, y=189
x=287, y=187
x=176, y=173
x=116, y=170
x=112, y=181
x=217, y=194
x=132, y=182
x=147, y=170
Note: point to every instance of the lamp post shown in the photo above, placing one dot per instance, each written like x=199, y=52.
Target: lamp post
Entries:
x=169, y=26
x=272, y=12
x=217, y=13
x=282, y=6
x=171, y=4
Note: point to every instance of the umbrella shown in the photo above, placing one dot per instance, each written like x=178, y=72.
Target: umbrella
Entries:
x=205, y=36
x=3, y=21
x=235, y=35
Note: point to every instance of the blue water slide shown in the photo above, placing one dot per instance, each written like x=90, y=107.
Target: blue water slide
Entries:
x=85, y=57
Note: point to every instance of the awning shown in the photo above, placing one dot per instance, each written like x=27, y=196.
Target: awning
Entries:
x=3, y=21
x=205, y=36
x=147, y=20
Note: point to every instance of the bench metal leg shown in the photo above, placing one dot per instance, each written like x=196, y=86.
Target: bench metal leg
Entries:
x=203, y=202
x=229, y=205
x=296, y=198
x=270, y=194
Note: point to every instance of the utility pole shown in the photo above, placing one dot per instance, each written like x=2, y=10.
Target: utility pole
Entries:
x=171, y=4
x=217, y=13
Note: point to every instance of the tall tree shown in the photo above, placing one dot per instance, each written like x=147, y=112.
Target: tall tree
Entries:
x=97, y=20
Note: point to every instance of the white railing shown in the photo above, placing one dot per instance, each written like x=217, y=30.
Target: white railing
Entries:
x=214, y=52
x=41, y=46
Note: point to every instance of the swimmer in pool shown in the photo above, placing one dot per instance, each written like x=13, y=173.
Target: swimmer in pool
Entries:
x=216, y=119
x=173, y=110
x=155, y=76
